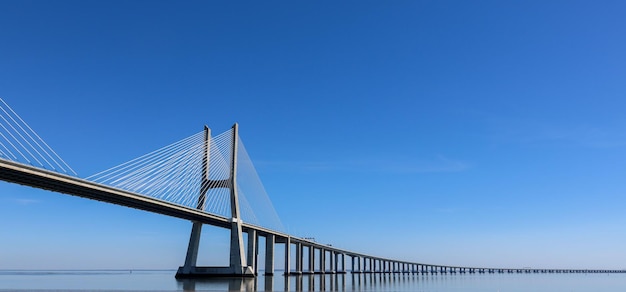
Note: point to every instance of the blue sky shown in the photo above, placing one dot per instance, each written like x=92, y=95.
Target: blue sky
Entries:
x=485, y=133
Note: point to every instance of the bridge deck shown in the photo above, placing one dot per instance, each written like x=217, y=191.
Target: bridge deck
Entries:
x=56, y=182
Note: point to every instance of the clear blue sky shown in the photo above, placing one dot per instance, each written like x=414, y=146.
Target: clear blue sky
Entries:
x=486, y=133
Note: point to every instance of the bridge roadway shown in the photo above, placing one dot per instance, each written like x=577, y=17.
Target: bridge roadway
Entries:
x=361, y=263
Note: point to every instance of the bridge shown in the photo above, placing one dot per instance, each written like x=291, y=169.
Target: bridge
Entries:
x=208, y=180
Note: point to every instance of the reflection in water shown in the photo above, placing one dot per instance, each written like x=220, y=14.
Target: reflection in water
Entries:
x=164, y=281
x=331, y=282
x=229, y=284
x=410, y=282
x=269, y=283
x=316, y=282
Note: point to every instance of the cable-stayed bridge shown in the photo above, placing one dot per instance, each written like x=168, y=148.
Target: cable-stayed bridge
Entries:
x=209, y=180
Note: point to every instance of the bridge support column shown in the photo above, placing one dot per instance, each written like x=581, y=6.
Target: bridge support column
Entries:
x=299, y=257
x=269, y=255
x=237, y=253
x=192, y=250
x=252, y=250
x=287, y=256
x=322, y=260
x=311, y=259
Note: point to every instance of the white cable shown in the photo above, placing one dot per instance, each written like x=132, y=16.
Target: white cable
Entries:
x=31, y=131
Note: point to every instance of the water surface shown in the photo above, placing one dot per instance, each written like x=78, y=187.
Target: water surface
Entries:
x=163, y=280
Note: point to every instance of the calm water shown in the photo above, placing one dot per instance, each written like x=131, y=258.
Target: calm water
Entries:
x=164, y=281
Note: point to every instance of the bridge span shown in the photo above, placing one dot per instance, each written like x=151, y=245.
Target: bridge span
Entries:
x=187, y=180
x=320, y=258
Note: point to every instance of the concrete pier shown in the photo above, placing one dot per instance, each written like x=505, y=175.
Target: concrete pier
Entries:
x=252, y=251
x=269, y=255
x=311, y=260
x=287, y=256
x=299, y=258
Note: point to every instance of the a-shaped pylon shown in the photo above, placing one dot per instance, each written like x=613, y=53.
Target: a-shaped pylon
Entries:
x=238, y=265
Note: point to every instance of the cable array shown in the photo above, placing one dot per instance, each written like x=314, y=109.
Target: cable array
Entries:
x=183, y=172
x=175, y=173
x=179, y=173
x=256, y=206
x=170, y=173
x=20, y=143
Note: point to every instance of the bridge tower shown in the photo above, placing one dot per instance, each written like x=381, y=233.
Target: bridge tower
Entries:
x=238, y=265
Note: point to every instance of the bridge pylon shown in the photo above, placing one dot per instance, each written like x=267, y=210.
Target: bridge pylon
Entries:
x=238, y=266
